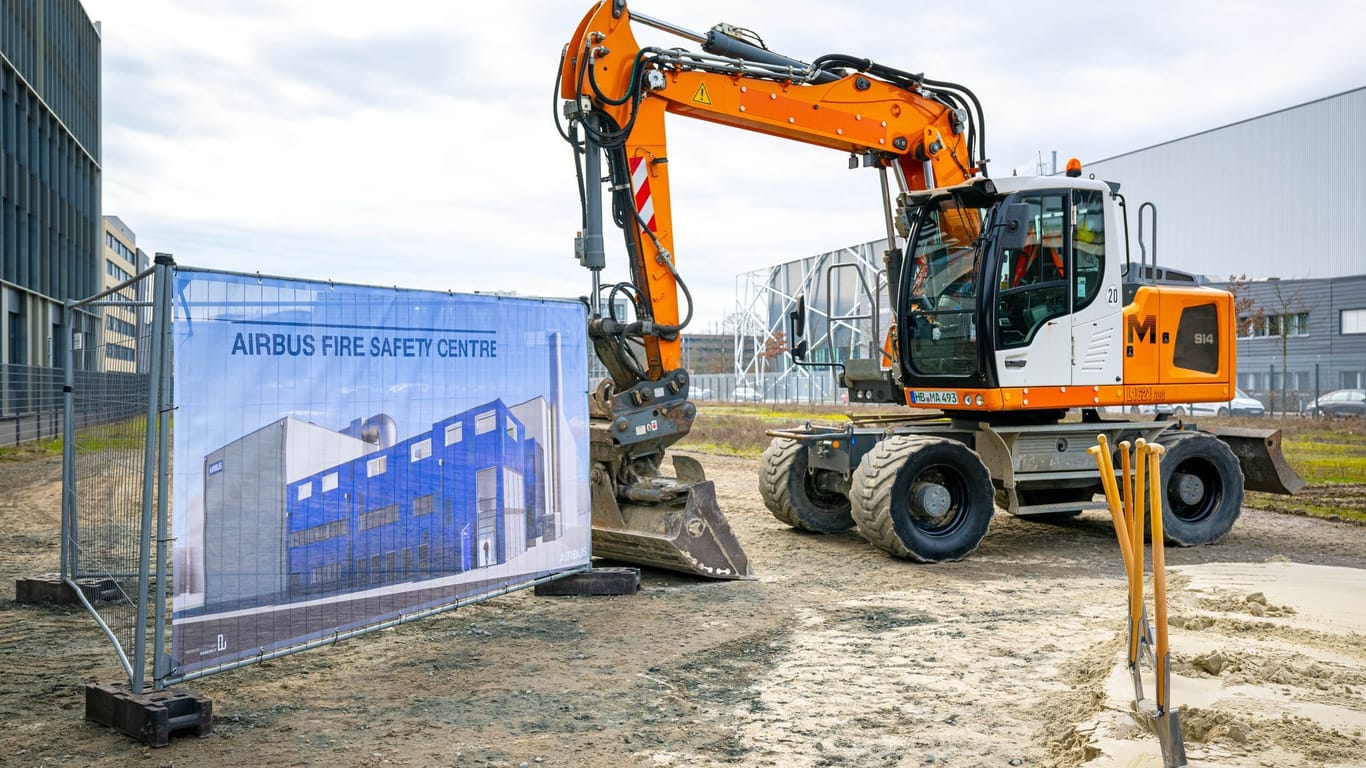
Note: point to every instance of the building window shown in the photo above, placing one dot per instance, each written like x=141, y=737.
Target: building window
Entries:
x=454, y=433
x=423, y=505
x=420, y=450
x=1294, y=324
x=485, y=422
x=318, y=533
x=119, y=352
x=1353, y=321
x=1297, y=380
x=116, y=272
x=1353, y=380
x=376, y=466
x=382, y=516
x=120, y=326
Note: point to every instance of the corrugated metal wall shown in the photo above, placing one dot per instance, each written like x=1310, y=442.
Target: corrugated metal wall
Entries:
x=1281, y=195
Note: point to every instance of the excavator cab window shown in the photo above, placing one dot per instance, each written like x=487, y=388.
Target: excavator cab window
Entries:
x=1088, y=241
x=1033, y=280
x=945, y=265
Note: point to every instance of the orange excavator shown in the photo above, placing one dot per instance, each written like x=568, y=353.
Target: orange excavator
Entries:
x=1011, y=309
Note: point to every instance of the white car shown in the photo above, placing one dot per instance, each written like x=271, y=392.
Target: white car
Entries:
x=1242, y=404
x=747, y=394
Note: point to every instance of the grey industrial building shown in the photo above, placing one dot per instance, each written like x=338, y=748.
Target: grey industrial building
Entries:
x=1278, y=200
x=49, y=173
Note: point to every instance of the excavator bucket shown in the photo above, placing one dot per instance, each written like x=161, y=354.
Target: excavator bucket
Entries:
x=667, y=523
x=1259, y=453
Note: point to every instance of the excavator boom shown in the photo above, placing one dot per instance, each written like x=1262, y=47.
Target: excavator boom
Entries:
x=919, y=133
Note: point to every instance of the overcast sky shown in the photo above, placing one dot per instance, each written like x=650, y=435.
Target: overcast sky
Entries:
x=412, y=143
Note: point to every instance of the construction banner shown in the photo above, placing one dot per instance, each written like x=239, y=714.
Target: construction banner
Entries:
x=346, y=457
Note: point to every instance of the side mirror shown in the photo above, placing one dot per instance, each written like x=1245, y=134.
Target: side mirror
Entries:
x=797, y=321
x=1014, y=225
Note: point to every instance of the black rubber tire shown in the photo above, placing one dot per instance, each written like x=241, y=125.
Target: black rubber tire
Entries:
x=1206, y=513
x=791, y=494
x=1222, y=411
x=883, y=506
x=1179, y=411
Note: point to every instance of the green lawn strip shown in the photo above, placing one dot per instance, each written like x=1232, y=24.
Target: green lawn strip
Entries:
x=1325, y=458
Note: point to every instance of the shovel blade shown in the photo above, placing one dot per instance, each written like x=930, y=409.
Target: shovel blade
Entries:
x=1259, y=454
x=1168, y=727
x=691, y=536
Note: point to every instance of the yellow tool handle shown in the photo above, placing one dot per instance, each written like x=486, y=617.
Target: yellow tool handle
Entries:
x=1132, y=563
x=1136, y=519
x=1159, y=573
x=1107, y=480
x=1137, y=621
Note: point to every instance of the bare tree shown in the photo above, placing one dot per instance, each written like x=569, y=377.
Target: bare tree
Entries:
x=1289, y=308
x=1248, y=315
x=775, y=345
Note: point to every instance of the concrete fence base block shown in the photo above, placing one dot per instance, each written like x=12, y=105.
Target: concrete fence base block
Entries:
x=599, y=581
x=49, y=588
x=151, y=717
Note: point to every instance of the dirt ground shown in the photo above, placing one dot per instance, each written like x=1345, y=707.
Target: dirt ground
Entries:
x=835, y=655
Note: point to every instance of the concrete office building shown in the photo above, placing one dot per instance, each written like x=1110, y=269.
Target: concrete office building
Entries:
x=49, y=174
x=121, y=328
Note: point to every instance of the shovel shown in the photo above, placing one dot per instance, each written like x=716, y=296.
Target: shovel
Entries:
x=1126, y=513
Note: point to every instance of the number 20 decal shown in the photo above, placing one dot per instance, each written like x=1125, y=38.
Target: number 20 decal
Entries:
x=1112, y=295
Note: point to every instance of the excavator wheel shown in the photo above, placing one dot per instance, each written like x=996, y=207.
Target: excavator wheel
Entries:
x=1202, y=488
x=795, y=496
x=927, y=499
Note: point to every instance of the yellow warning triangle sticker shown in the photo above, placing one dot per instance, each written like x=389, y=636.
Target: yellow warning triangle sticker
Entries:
x=701, y=97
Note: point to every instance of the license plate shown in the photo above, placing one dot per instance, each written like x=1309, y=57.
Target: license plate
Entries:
x=934, y=397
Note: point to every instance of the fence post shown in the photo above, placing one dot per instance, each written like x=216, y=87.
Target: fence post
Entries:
x=1271, y=381
x=68, y=447
x=161, y=373
x=149, y=478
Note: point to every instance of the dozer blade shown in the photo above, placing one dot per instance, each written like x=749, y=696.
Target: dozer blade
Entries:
x=1259, y=453
x=684, y=531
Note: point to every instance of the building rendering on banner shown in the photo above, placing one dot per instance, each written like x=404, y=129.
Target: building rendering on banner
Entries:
x=1242, y=200
x=49, y=174
x=471, y=493
x=297, y=510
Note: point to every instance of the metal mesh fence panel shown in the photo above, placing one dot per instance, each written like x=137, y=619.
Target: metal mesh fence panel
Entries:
x=30, y=403
x=113, y=385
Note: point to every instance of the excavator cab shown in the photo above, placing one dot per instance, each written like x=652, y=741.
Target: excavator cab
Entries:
x=1001, y=286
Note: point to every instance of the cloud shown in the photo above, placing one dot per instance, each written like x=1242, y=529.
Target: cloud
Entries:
x=414, y=144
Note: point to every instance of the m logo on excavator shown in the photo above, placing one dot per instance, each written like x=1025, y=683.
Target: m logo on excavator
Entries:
x=1145, y=327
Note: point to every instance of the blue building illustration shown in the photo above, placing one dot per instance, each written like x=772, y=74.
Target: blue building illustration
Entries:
x=471, y=493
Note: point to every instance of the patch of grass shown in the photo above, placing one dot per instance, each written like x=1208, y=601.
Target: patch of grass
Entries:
x=1327, y=457
x=1311, y=502
x=125, y=435
x=36, y=449
x=735, y=434
x=738, y=429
